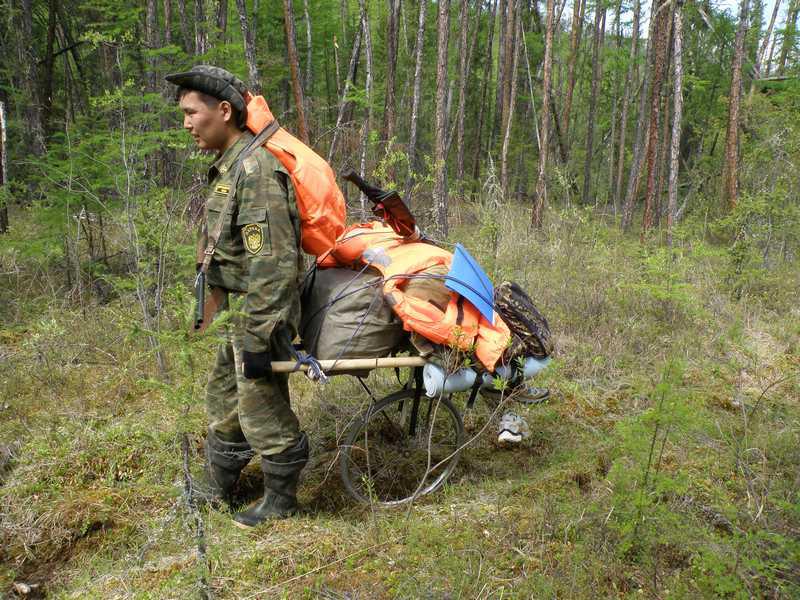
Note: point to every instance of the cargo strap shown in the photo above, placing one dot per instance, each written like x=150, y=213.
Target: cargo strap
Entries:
x=213, y=238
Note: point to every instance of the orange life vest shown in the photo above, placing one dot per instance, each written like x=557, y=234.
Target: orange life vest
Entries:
x=460, y=325
x=319, y=200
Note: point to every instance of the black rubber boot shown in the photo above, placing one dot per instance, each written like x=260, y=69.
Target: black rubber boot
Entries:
x=281, y=475
x=224, y=464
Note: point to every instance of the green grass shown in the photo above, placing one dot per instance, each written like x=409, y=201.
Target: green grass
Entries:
x=659, y=363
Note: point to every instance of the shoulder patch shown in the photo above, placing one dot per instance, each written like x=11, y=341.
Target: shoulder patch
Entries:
x=222, y=189
x=250, y=165
x=253, y=238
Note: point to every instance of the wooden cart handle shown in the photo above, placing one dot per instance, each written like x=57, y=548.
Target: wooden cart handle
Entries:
x=352, y=364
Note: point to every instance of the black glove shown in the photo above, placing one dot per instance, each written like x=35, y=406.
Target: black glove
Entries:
x=256, y=364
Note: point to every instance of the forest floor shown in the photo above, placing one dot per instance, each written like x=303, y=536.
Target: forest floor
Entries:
x=665, y=464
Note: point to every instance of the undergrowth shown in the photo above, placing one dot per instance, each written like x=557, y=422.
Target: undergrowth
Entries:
x=666, y=462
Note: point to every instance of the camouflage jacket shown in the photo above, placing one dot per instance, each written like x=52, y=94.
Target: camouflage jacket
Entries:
x=258, y=250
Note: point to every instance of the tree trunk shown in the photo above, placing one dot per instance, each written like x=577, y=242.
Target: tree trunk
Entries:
x=634, y=177
x=47, y=65
x=167, y=22
x=348, y=83
x=730, y=182
x=612, y=154
x=509, y=56
x=597, y=67
x=222, y=19
x=553, y=119
x=771, y=54
x=662, y=162
x=389, y=116
x=663, y=27
x=677, y=116
x=309, y=78
x=255, y=21
x=503, y=17
x=152, y=41
x=412, y=140
x=763, y=49
x=368, y=112
x=440, y=142
x=579, y=6
x=343, y=14
x=462, y=98
x=188, y=46
x=487, y=74
x=544, y=142
x=630, y=77
x=200, y=30
x=3, y=168
x=789, y=33
x=294, y=69
x=27, y=63
x=337, y=66
x=73, y=45
x=254, y=79
x=463, y=23
x=510, y=117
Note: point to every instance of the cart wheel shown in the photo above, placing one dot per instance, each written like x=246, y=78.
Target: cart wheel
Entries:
x=384, y=457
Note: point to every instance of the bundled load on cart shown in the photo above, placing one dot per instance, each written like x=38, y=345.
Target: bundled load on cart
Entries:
x=377, y=287
x=383, y=288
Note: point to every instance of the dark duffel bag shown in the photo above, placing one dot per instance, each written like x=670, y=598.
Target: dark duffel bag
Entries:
x=344, y=315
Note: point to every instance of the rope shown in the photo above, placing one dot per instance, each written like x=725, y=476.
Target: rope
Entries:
x=315, y=372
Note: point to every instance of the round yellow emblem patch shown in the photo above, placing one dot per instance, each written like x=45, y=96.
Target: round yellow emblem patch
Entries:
x=253, y=238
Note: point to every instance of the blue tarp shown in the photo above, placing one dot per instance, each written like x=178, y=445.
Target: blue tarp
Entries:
x=466, y=277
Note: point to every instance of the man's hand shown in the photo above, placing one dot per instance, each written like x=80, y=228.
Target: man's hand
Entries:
x=256, y=364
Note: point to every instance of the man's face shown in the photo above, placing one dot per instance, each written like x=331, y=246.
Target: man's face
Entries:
x=206, y=124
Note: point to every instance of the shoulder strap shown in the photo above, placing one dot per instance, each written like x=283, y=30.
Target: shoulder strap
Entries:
x=214, y=234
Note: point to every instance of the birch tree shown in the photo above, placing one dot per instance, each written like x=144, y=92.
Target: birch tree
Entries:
x=789, y=33
x=578, y=8
x=440, y=143
x=348, y=84
x=200, y=29
x=365, y=29
x=637, y=159
x=3, y=168
x=544, y=140
x=254, y=79
x=677, y=116
x=418, y=57
x=389, y=116
x=597, y=67
x=510, y=116
x=762, y=51
x=482, y=106
x=630, y=77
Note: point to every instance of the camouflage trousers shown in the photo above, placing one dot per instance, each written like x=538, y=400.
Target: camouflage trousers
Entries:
x=253, y=410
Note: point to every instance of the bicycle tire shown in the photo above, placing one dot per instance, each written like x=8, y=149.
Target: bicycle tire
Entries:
x=399, y=486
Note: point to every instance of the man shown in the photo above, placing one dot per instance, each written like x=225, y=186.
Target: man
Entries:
x=256, y=263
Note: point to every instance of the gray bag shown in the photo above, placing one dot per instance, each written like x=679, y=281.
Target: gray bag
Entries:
x=345, y=317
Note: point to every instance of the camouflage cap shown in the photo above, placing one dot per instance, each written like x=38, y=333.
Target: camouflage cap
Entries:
x=216, y=82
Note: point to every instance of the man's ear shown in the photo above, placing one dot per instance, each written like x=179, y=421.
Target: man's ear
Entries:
x=227, y=110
